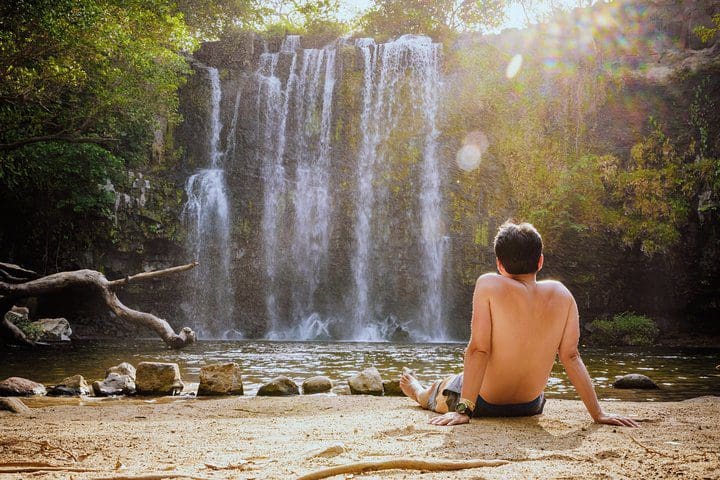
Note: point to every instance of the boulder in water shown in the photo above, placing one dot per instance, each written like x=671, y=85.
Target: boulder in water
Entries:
x=279, y=387
x=391, y=388
x=20, y=387
x=635, y=380
x=367, y=382
x=220, y=379
x=53, y=329
x=156, y=378
x=317, y=384
x=70, y=387
x=115, y=384
x=123, y=368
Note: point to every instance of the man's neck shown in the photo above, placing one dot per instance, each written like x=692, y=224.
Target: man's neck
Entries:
x=524, y=278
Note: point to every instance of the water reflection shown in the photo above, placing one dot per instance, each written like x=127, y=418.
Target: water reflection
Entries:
x=680, y=373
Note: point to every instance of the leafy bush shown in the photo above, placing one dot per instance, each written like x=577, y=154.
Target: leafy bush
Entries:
x=31, y=330
x=623, y=329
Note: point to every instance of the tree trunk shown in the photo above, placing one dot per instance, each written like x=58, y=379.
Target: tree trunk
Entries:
x=18, y=283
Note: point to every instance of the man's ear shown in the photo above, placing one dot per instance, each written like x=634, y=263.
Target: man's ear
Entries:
x=541, y=260
x=500, y=267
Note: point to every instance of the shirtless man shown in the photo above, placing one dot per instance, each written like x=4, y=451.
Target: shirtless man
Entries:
x=518, y=326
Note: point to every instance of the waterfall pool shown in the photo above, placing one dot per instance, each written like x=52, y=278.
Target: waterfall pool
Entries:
x=680, y=373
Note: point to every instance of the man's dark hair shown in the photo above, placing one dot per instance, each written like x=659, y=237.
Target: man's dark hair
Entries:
x=518, y=246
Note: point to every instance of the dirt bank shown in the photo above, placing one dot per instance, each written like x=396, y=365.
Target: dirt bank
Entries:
x=279, y=438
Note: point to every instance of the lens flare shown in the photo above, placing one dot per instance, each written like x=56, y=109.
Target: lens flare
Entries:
x=470, y=154
x=514, y=66
x=468, y=157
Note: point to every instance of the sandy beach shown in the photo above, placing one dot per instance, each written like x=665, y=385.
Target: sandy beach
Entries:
x=279, y=438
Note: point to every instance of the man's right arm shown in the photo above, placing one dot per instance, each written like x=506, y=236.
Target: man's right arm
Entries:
x=578, y=374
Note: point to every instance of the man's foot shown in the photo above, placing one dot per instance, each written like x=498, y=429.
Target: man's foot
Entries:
x=411, y=387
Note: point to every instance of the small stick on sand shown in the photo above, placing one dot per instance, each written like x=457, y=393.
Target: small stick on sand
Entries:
x=402, y=464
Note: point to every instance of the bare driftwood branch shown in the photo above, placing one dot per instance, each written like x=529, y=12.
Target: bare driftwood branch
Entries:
x=97, y=282
x=402, y=464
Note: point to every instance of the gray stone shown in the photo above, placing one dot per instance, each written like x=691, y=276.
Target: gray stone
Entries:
x=156, y=378
x=367, y=382
x=70, y=386
x=14, y=405
x=20, y=387
x=279, y=387
x=391, y=388
x=53, y=329
x=123, y=369
x=114, y=384
x=220, y=379
x=635, y=380
x=318, y=384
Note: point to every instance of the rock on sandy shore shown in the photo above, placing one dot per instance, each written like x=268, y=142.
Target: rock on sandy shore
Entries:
x=392, y=388
x=20, y=387
x=156, y=378
x=220, y=379
x=123, y=368
x=71, y=386
x=279, y=387
x=367, y=382
x=115, y=384
x=317, y=384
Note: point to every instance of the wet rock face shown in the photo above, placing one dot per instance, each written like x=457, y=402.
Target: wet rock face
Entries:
x=367, y=382
x=318, y=384
x=220, y=379
x=70, y=387
x=279, y=387
x=635, y=380
x=155, y=378
x=115, y=384
x=20, y=387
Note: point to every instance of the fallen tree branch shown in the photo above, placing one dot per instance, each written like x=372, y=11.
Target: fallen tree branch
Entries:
x=148, y=275
x=402, y=464
x=151, y=476
x=97, y=282
x=47, y=469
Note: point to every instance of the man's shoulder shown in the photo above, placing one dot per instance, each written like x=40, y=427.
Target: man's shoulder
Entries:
x=555, y=286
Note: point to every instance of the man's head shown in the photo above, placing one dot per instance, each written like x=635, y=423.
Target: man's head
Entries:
x=518, y=248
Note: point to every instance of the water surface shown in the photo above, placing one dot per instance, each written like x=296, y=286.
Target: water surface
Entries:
x=681, y=373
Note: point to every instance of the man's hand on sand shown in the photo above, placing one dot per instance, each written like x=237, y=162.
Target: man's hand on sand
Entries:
x=612, y=419
x=450, y=418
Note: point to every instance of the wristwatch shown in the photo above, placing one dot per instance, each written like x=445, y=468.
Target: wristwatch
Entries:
x=464, y=407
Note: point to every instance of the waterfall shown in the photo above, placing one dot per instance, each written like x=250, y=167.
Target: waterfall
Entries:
x=411, y=61
x=339, y=208
x=296, y=211
x=206, y=214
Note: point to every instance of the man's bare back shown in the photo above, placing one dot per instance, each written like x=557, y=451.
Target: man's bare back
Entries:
x=527, y=321
x=518, y=327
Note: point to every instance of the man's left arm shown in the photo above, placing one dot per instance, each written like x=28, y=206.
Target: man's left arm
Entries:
x=476, y=353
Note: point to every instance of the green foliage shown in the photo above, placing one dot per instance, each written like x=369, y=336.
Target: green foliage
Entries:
x=389, y=18
x=31, y=330
x=89, y=72
x=628, y=329
x=707, y=34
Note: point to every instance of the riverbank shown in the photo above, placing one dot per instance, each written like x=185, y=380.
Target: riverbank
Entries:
x=281, y=438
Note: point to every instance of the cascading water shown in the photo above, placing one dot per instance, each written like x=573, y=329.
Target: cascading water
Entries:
x=412, y=63
x=305, y=96
x=344, y=235
x=206, y=214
